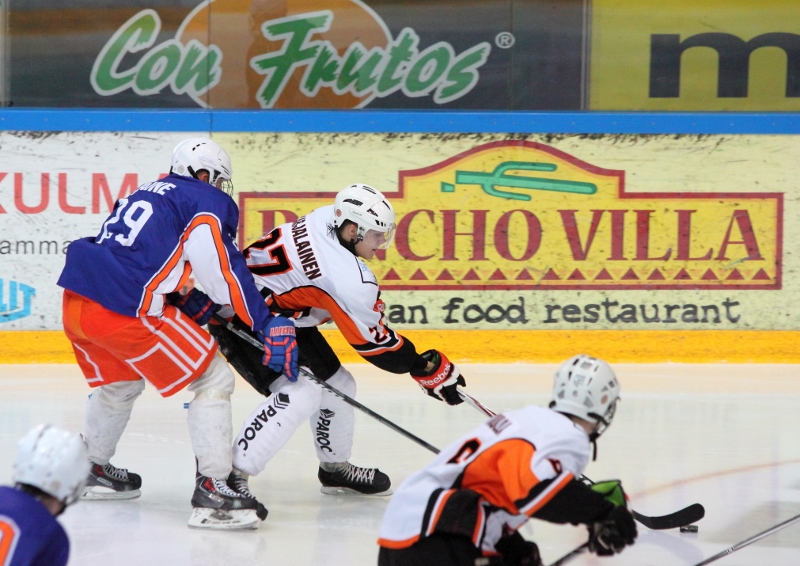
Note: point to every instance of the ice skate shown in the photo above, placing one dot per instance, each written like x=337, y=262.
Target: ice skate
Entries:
x=237, y=481
x=343, y=478
x=109, y=482
x=217, y=506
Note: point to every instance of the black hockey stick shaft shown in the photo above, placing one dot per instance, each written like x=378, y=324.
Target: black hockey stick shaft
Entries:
x=347, y=399
x=751, y=540
x=572, y=554
x=685, y=516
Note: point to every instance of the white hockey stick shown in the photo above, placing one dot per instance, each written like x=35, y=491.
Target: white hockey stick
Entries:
x=751, y=540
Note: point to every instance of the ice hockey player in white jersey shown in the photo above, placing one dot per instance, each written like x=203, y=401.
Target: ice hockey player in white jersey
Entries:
x=466, y=506
x=312, y=269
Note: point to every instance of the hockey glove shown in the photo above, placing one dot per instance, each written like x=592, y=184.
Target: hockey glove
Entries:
x=441, y=381
x=280, y=347
x=517, y=551
x=617, y=529
x=195, y=304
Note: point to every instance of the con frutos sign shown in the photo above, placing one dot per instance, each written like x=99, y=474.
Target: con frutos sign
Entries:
x=280, y=55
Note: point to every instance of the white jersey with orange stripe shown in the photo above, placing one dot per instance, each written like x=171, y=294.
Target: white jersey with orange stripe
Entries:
x=313, y=278
x=154, y=240
x=505, y=462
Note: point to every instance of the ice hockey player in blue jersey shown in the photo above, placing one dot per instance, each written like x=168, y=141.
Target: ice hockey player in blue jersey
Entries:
x=49, y=474
x=123, y=329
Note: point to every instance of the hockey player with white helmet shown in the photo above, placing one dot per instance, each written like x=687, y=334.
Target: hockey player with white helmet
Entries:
x=313, y=269
x=467, y=505
x=117, y=312
x=49, y=474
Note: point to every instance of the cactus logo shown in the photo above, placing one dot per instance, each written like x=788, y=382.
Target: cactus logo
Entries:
x=266, y=54
x=15, y=300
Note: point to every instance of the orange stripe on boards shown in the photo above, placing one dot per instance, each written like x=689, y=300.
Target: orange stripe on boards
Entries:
x=511, y=346
x=614, y=346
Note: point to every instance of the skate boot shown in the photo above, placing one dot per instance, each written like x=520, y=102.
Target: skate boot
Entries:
x=237, y=481
x=109, y=482
x=217, y=506
x=343, y=478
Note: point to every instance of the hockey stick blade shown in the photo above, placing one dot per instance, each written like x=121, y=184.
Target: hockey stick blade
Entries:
x=686, y=516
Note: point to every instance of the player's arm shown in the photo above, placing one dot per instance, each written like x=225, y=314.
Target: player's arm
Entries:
x=222, y=271
x=363, y=324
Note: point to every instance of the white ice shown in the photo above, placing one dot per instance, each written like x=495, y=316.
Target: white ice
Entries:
x=726, y=436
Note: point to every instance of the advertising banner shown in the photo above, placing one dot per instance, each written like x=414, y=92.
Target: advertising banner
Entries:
x=298, y=54
x=695, y=55
x=516, y=233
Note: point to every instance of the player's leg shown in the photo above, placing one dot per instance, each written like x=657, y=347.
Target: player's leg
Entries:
x=116, y=388
x=270, y=426
x=435, y=550
x=107, y=413
x=215, y=503
x=332, y=429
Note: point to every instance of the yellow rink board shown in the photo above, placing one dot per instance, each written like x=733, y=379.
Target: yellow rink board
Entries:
x=510, y=346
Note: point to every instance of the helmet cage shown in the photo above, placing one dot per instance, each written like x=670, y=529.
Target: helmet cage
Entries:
x=587, y=388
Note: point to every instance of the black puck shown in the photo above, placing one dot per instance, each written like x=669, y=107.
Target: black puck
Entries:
x=689, y=529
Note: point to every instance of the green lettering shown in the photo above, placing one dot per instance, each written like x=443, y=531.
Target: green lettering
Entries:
x=297, y=49
x=400, y=52
x=157, y=67
x=138, y=33
x=200, y=69
x=463, y=74
x=323, y=71
x=428, y=69
x=362, y=75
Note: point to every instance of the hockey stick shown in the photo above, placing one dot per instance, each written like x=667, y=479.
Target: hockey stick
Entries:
x=349, y=400
x=751, y=540
x=572, y=554
x=685, y=516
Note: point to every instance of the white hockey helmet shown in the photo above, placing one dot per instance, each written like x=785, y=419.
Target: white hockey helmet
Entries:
x=53, y=460
x=367, y=208
x=195, y=154
x=587, y=388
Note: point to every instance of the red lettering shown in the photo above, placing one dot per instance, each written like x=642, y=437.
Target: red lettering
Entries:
x=685, y=238
x=100, y=184
x=62, y=195
x=534, y=235
x=44, y=198
x=643, y=237
x=579, y=252
x=742, y=219
x=478, y=235
x=617, y=234
x=401, y=239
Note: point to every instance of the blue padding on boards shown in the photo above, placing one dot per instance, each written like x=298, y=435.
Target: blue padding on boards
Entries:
x=397, y=121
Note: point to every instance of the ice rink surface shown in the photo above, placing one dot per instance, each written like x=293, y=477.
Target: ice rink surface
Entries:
x=726, y=436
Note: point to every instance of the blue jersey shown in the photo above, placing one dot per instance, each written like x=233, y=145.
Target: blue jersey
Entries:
x=153, y=240
x=29, y=534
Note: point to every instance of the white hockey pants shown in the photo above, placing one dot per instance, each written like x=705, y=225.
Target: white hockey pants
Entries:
x=270, y=426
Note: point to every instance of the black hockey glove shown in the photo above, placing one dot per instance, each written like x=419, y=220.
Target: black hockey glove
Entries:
x=440, y=382
x=516, y=551
x=195, y=304
x=617, y=529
